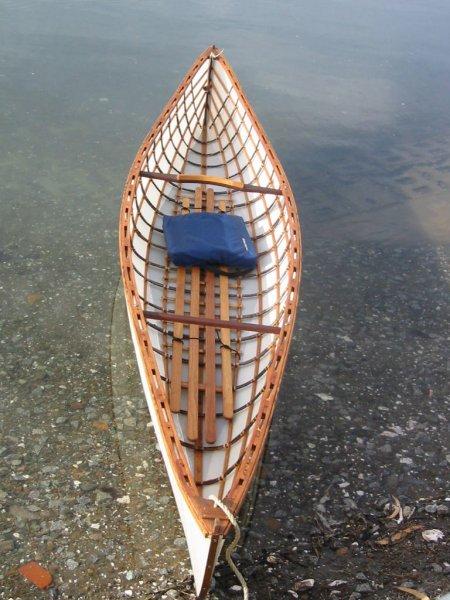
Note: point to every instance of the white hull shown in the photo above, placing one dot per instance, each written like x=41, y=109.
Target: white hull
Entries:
x=200, y=547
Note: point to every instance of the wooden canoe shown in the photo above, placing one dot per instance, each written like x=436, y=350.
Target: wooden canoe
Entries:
x=211, y=349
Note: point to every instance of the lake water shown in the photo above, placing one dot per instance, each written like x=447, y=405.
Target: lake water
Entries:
x=355, y=96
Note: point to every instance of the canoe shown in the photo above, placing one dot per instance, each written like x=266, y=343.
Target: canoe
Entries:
x=211, y=347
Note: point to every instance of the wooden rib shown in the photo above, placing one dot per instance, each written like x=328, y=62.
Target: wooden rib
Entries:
x=210, y=346
x=193, y=399
x=227, y=375
x=178, y=329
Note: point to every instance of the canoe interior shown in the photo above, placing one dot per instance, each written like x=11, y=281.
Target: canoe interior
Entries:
x=208, y=129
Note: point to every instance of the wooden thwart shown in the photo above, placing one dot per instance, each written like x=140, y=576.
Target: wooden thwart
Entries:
x=210, y=180
x=207, y=322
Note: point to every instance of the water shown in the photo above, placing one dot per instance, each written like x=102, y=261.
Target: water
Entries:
x=355, y=98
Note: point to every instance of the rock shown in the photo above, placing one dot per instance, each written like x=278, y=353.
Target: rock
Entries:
x=180, y=542
x=71, y=564
x=88, y=486
x=235, y=589
x=364, y=588
x=432, y=535
x=431, y=508
x=6, y=546
x=123, y=499
x=324, y=397
x=442, y=509
x=354, y=596
x=34, y=572
x=304, y=584
x=102, y=496
x=21, y=513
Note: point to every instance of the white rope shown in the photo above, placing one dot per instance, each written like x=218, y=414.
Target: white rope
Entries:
x=212, y=55
x=233, y=544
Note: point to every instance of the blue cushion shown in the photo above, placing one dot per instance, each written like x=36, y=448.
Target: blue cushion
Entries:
x=209, y=240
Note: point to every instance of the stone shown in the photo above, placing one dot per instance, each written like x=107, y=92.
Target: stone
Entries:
x=6, y=546
x=304, y=584
x=180, y=542
x=71, y=564
x=21, y=513
x=102, y=496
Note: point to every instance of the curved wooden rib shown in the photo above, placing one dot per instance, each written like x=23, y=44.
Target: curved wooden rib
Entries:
x=209, y=134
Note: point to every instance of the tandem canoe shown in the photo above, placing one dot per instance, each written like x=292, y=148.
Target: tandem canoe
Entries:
x=211, y=347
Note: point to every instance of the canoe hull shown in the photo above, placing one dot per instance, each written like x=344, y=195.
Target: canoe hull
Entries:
x=209, y=130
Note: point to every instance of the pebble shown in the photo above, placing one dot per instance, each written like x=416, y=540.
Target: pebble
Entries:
x=71, y=564
x=180, y=542
x=304, y=584
x=88, y=486
x=6, y=546
x=102, y=496
x=364, y=588
x=21, y=513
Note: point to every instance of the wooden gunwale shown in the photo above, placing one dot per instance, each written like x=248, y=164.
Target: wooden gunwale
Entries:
x=252, y=454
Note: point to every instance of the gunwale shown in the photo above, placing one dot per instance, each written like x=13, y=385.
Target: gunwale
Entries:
x=210, y=520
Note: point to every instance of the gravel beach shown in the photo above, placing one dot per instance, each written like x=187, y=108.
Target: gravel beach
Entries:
x=353, y=499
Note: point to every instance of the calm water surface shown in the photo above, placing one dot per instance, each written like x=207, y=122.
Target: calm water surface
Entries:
x=355, y=96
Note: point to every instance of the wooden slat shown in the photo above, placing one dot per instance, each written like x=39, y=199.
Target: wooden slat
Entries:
x=214, y=323
x=192, y=425
x=178, y=329
x=210, y=346
x=227, y=374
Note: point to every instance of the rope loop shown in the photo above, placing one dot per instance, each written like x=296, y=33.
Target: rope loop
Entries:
x=231, y=547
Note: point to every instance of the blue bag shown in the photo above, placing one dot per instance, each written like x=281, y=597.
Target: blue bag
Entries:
x=209, y=240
